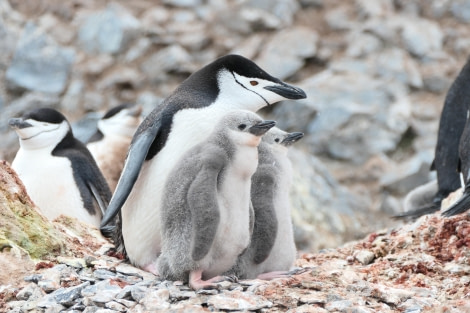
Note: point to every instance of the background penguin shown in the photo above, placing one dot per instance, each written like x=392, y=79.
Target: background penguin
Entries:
x=206, y=204
x=183, y=120
x=110, y=143
x=272, y=249
x=446, y=160
x=58, y=171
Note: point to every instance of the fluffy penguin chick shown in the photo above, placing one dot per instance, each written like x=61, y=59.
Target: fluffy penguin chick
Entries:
x=206, y=204
x=58, y=171
x=272, y=250
x=110, y=143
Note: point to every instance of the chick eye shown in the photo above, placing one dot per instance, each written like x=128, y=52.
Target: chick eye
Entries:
x=241, y=126
x=253, y=82
x=277, y=140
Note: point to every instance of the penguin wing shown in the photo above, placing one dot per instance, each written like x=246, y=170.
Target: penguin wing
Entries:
x=203, y=204
x=262, y=198
x=138, y=150
x=89, y=179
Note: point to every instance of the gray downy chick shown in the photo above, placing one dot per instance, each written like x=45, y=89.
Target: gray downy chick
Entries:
x=205, y=218
x=272, y=249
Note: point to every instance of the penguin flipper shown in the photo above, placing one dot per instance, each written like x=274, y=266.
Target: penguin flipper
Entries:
x=203, y=204
x=462, y=205
x=265, y=228
x=140, y=145
x=102, y=202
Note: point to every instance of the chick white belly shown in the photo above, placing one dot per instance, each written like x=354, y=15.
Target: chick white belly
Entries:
x=283, y=253
x=141, y=213
x=50, y=183
x=233, y=232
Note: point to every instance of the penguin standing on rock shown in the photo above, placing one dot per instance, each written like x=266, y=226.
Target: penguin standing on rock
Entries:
x=206, y=203
x=446, y=160
x=110, y=143
x=272, y=249
x=58, y=171
x=185, y=119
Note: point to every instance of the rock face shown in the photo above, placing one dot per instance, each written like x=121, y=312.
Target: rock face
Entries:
x=22, y=227
x=26, y=236
x=375, y=72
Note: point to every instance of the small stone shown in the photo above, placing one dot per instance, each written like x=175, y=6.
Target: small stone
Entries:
x=30, y=292
x=307, y=309
x=156, y=300
x=137, y=292
x=313, y=297
x=364, y=256
x=339, y=305
x=48, y=285
x=35, y=278
x=73, y=262
x=103, y=274
x=116, y=306
x=126, y=303
x=130, y=270
x=67, y=296
x=91, y=309
x=238, y=301
x=56, y=308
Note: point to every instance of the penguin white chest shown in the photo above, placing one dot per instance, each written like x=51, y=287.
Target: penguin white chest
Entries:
x=50, y=183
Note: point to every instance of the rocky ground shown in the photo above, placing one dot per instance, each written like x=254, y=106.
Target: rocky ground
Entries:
x=421, y=267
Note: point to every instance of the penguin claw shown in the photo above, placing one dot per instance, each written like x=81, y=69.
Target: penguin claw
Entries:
x=231, y=278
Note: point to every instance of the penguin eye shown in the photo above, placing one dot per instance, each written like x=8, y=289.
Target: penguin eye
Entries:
x=253, y=82
x=241, y=126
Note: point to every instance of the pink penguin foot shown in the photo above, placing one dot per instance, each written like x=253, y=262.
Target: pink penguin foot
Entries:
x=196, y=282
x=151, y=268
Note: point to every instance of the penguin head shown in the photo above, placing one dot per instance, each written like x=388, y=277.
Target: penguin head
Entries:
x=122, y=120
x=40, y=128
x=237, y=83
x=280, y=138
x=245, y=84
x=245, y=127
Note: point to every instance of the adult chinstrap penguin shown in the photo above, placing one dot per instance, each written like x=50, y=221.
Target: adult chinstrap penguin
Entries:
x=206, y=202
x=185, y=119
x=110, y=143
x=58, y=171
x=446, y=160
x=272, y=249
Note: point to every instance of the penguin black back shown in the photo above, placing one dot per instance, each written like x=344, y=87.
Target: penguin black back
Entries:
x=451, y=126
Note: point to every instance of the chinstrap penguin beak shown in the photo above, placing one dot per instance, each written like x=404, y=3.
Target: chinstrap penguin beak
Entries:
x=18, y=123
x=287, y=91
x=291, y=138
x=261, y=128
